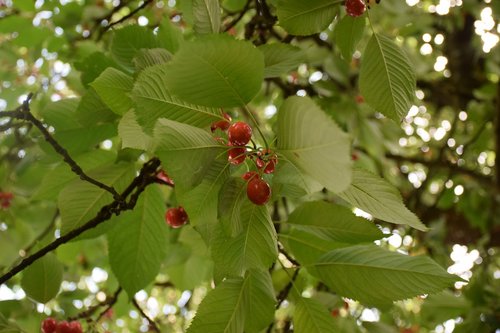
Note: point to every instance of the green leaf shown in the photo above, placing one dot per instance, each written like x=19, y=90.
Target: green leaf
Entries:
x=78, y=140
x=348, y=32
x=313, y=143
x=237, y=305
x=206, y=16
x=293, y=182
x=144, y=233
x=379, y=198
x=281, y=58
x=55, y=180
x=201, y=202
x=333, y=222
x=154, y=100
x=231, y=197
x=80, y=201
x=301, y=18
x=127, y=41
x=93, y=65
x=42, y=279
x=169, y=36
x=113, y=87
x=376, y=276
x=61, y=114
x=92, y=111
x=310, y=316
x=216, y=71
x=254, y=248
x=131, y=133
x=386, y=78
x=151, y=57
x=187, y=152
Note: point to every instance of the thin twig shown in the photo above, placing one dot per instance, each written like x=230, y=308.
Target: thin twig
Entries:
x=146, y=176
x=126, y=17
x=151, y=322
x=240, y=16
x=111, y=303
x=23, y=112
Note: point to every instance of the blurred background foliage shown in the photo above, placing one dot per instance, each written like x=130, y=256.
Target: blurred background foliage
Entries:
x=444, y=156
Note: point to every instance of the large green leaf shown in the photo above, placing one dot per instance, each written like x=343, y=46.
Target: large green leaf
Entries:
x=150, y=57
x=313, y=143
x=42, y=279
x=144, y=233
x=376, y=276
x=281, y=58
x=61, y=114
x=216, y=71
x=82, y=139
x=379, y=198
x=231, y=198
x=386, y=78
x=80, y=201
x=310, y=316
x=169, y=36
x=131, y=133
x=92, y=111
x=127, y=41
x=113, y=86
x=187, y=152
x=93, y=65
x=348, y=32
x=154, y=101
x=333, y=222
x=55, y=180
x=293, y=182
x=202, y=201
x=254, y=248
x=237, y=305
x=300, y=17
x=206, y=16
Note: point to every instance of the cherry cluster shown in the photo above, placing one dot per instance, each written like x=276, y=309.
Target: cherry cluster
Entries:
x=239, y=135
x=5, y=199
x=355, y=8
x=50, y=325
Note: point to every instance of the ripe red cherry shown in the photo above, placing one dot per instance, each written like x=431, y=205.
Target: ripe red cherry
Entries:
x=176, y=217
x=63, y=327
x=249, y=175
x=222, y=124
x=258, y=191
x=271, y=165
x=239, y=133
x=164, y=178
x=75, y=327
x=236, y=155
x=49, y=325
x=355, y=8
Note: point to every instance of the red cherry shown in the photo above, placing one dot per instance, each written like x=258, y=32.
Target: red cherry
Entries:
x=176, y=217
x=258, y=191
x=239, y=133
x=271, y=165
x=63, y=327
x=222, y=124
x=249, y=175
x=75, y=327
x=162, y=175
x=355, y=8
x=260, y=163
x=236, y=155
x=49, y=325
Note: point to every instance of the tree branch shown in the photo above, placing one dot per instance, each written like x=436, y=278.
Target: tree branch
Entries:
x=126, y=17
x=146, y=176
x=151, y=322
x=23, y=113
x=109, y=302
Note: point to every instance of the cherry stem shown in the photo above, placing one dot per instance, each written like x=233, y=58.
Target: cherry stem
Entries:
x=250, y=114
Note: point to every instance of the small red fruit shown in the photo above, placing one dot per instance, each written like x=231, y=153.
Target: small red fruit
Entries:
x=355, y=8
x=249, y=175
x=75, y=327
x=63, y=327
x=164, y=178
x=258, y=191
x=236, y=155
x=176, y=217
x=49, y=325
x=222, y=124
x=335, y=313
x=239, y=133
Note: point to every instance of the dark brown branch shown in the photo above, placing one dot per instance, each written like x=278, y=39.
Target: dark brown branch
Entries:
x=288, y=256
x=283, y=294
x=497, y=139
x=109, y=302
x=23, y=113
x=112, y=301
x=152, y=324
x=123, y=19
x=146, y=176
x=240, y=16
